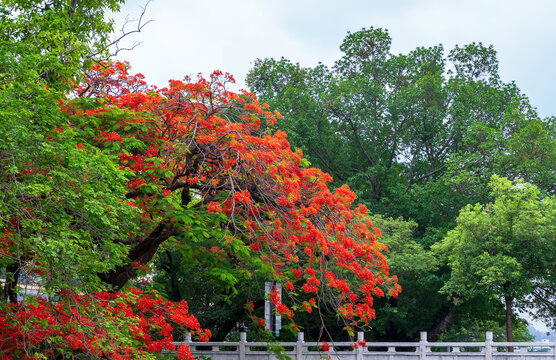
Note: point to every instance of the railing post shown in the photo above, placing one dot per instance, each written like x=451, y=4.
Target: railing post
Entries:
x=299, y=346
x=187, y=341
x=488, y=346
x=360, y=340
x=242, y=347
x=423, y=346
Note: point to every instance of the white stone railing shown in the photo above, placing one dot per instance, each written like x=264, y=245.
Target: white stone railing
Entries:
x=422, y=350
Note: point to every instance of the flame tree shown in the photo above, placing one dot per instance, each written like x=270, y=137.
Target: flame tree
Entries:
x=97, y=181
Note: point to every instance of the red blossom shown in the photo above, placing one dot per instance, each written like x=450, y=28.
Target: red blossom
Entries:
x=79, y=325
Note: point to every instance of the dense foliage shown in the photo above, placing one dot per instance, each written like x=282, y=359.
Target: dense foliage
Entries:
x=505, y=247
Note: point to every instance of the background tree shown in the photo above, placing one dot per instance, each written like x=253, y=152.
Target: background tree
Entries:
x=399, y=122
x=415, y=268
x=503, y=249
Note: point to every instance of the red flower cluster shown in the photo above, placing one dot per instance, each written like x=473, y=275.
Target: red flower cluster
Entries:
x=117, y=325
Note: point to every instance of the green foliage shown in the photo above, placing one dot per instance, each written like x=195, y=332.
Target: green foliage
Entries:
x=416, y=135
x=52, y=40
x=508, y=241
x=473, y=329
x=67, y=203
x=407, y=256
x=502, y=249
x=64, y=200
x=207, y=269
x=415, y=268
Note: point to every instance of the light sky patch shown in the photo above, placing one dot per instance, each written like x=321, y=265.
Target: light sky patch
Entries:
x=188, y=37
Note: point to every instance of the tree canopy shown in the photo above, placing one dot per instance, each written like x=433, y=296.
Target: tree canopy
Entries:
x=402, y=126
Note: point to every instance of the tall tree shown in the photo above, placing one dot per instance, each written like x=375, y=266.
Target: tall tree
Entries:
x=399, y=123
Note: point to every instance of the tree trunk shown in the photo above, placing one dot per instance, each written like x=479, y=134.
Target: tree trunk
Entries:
x=12, y=277
x=509, y=314
x=142, y=253
x=448, y=319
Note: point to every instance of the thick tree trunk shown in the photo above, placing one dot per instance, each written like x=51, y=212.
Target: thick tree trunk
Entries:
x=509, y=314
x=448, y=319
x=143, y=252
x=12, y=277
x=176, y=293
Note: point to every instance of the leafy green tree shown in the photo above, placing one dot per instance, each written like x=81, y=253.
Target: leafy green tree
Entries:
x=402, y=318
x=44, y=46
x=399, y=123
x=504, y=248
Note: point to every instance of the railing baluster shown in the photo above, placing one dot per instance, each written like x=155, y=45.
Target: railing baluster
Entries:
x=488, y=346
x=423, y=345
x=299, y=346
x=360, y=340
x=241, y=345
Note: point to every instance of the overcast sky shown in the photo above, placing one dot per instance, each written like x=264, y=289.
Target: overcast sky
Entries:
x=187, y=37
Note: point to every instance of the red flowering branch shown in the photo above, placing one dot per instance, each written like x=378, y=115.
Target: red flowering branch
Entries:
x=114, y=325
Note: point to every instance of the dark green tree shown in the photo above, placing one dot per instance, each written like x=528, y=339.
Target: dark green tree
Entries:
x=397, y=127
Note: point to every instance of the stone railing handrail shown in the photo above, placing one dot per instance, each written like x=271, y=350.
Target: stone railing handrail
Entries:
x=344, y=350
